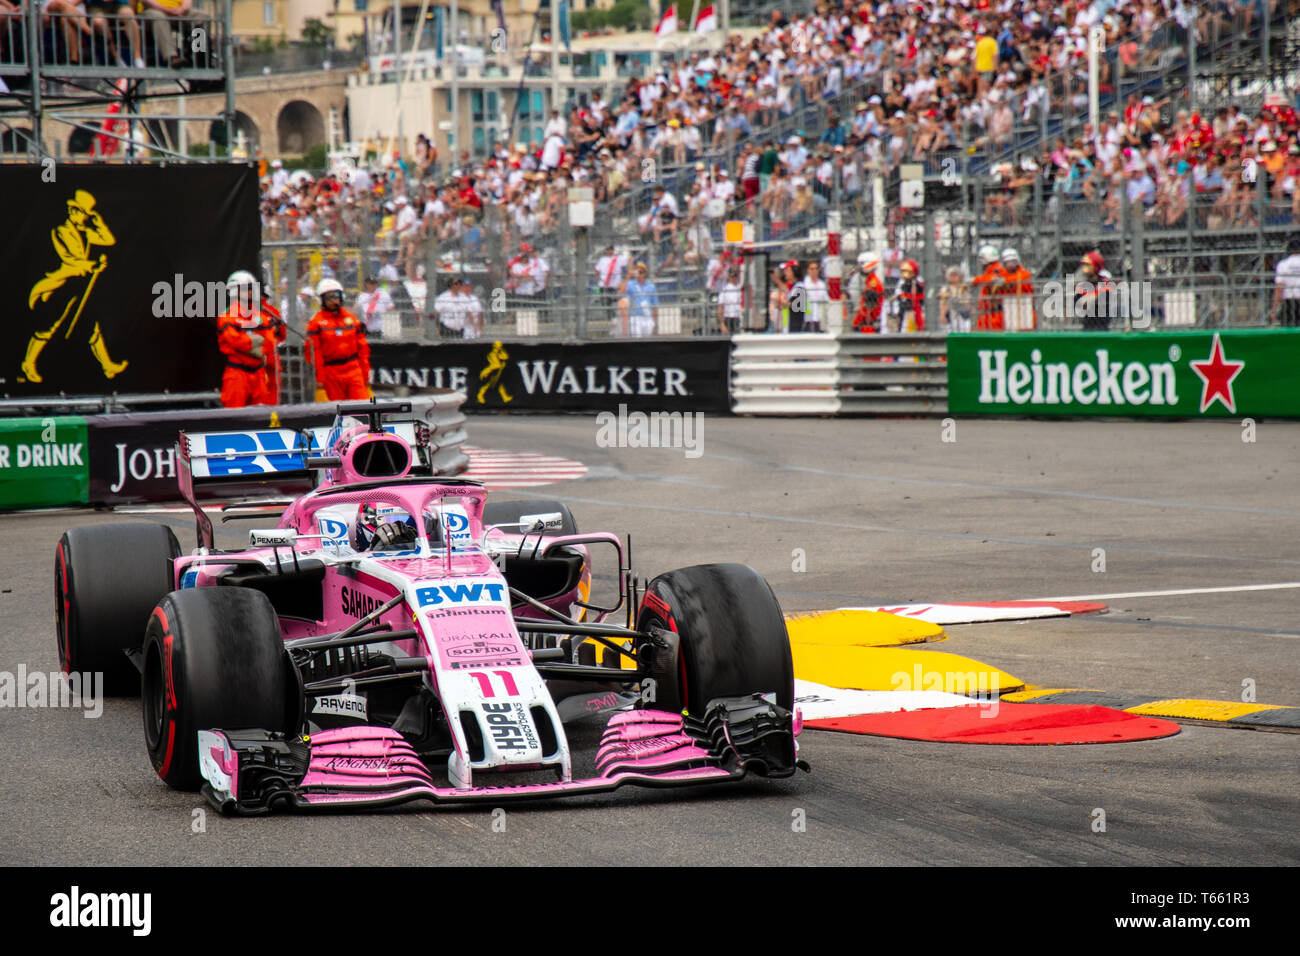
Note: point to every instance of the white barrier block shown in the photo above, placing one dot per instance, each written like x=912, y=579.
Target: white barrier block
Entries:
x=1018, y=313
x=670, y=320
x=1180, y=307
x=390, y=325
x=526, y=322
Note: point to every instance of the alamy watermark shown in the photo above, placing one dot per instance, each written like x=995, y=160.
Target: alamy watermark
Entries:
x=76, y=691
x=75, y=909
x=982, y=687
x=180, y=299
x=1112, y=299
x=626, y=429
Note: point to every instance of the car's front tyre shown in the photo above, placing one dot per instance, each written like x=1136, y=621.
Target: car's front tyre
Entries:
x=213, y=659
x=730, y=637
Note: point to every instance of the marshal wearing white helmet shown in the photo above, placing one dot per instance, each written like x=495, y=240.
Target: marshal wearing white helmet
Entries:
x=243, y=345
x=243, y=291
x=988, y=304
x=337, y=346
x=866, y=293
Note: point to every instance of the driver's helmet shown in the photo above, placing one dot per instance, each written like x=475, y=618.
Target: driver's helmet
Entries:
x=371, y=515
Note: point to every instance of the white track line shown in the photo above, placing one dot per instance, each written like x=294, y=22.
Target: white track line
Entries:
x=1172, y=593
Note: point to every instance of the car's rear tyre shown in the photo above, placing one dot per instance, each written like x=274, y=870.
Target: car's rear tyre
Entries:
x=502, y=512
x=107, y=579
x=213, y=659
x=731, y=639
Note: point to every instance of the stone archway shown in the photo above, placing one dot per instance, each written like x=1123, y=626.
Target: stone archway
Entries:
x=299, y=127
x=80, y=141
x=243, y=123
x=15, y=140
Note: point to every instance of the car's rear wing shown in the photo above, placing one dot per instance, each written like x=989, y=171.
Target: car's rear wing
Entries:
x=251, y=461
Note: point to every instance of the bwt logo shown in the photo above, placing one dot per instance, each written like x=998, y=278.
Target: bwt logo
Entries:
x=277, y=454
x=460, y=594
x=334, y=534
x=457, y=525
x=1080, y=299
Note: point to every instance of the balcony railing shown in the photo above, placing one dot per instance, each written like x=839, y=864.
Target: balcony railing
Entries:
x=72, y=46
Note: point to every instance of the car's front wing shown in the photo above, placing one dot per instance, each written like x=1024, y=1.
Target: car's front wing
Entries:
x=253, y=772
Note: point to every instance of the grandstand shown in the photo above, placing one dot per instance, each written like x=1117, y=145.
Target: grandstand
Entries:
x=1162, y=134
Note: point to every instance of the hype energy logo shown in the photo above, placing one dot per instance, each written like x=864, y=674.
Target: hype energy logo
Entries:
x=1185, y=374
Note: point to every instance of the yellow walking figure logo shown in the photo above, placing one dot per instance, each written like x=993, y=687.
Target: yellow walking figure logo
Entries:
x=496, y=366
x=60, y=295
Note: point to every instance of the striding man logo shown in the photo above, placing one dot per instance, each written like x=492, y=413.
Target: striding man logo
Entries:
x=62, y=295
x=492, y=372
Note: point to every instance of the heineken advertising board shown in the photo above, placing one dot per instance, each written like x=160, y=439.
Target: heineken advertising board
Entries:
x=1230, y=373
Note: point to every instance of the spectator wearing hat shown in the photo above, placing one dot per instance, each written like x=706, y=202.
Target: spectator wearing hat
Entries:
x=1092, y=287
x=639, y=303
x=459, y=311
x=526, y=278
x=907, y=304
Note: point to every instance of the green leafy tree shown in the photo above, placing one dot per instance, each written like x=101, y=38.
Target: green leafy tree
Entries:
x=315, y=33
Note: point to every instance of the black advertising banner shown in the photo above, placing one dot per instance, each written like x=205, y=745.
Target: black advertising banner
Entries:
x=112, y=272
x=667, y=375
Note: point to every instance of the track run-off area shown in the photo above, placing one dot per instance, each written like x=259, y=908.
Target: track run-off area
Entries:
x=1183, y=530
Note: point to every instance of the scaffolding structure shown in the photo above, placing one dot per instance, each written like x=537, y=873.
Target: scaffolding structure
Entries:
x=93, y=74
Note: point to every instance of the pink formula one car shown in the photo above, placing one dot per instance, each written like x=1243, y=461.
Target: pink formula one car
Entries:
x=395, y=636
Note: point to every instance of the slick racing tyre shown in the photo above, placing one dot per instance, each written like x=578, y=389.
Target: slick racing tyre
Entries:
x=107, y=579
x=501, y=512
x=730, y=637
x=213, y=659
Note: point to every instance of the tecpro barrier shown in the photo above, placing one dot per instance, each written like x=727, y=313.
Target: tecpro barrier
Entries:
x=839, y=375
x=687, y=375
x=43, y=462
x=1229, y=373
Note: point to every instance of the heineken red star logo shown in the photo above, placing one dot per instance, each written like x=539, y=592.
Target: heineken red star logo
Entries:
x=1216, y=375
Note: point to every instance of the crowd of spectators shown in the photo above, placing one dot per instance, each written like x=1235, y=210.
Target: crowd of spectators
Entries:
x=1217, y=170
x=675, y=153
